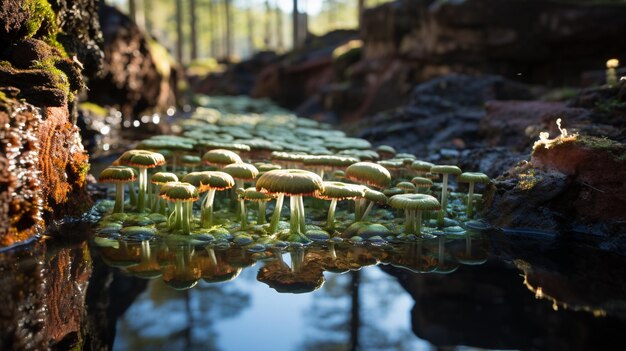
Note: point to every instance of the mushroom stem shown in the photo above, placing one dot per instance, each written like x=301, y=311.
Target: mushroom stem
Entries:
x=418, y=221
x=408, y=224
x=330, y=221
x=276, y=215
x=367, y=210
x=294, y=225
x=302, y=219
x=178, y=223
x=243, y=214
x=470, y=200
x=207, y=209
x=119, y=198
x=143, y=180
x=444, y=199
x=156, y=204
x=186, y=217
x=260, y=219
x=131, y=193
x=297, y=260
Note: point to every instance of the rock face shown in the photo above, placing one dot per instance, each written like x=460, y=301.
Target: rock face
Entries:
x=138, y=74
x=535, y=41
x=44, y=50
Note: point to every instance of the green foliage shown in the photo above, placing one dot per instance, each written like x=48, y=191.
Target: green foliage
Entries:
x=61, y=80
x=610, y=105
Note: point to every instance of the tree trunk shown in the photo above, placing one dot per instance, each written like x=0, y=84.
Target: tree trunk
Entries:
x=213, y=28
x=296, y=34
x=179, y=31
x=279, y=28
x=250, y=25
x=360, y=10
x=193, y=30
x=228, y=33
x=268, y=25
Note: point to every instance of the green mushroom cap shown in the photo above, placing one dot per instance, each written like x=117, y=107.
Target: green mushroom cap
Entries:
x=190, y=160
x=251, y=194
x=406, y=186
x=475, y=177
x=219, y=180
x=244, y=171
x=117, y=174
x=163, y=177
x=212, y=145
x=178, y=191
x=422, y=182
x=375, y=196
x=369, y=173
x=386, y=150
x=330, y=160
x=221, y=157
x=141, y=159
x=198, y=179
x=414, y=202
x=341, y=191
x=290, y=182
x=445, y=169
x=421, y=166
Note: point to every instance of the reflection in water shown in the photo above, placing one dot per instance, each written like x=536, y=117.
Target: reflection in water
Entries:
x=500, y=292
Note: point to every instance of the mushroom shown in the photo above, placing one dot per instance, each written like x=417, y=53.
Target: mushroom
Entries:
x=118, y=175
x=371, y=174
x=336, y=191
x=190, y=161
x=421, y=167
x=471, y=178
x=421, y=183
x=407, y=187
x=158, y=179
x=413, y=205
x=385, y=152
x=142, y=160
x=216, y=181
x=373, y=196
x=445, y=170
x=251, y=194
x=294, y=183
x=183, y=195
x=220, y=157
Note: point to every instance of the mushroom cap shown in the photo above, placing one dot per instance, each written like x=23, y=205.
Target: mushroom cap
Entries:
x=445, y=169
x=117, y=174
x=612, y=63
x=369, y=173
x=329, y=160
x=179, y=191
x=251, y=194
x=475, y=177
x=392, y=164
x=386, y=150
x=212, y=145
x=404, y=155
x=406, y=186
x=141, y=159
x=376, y=196
x=219, y=180
x=414, y=202
x=163, y=177
x=339, y=174
x=198, y=179
x=166, y=144
x=266, y=167
x=290, y=182
x=341, y=191
x=421, y=166
x=190, y=160
x=244, y=171
x=393, y=191
x=221, y=157
x=422, y=182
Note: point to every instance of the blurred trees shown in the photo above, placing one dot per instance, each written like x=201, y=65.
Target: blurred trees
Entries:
x=203, y=29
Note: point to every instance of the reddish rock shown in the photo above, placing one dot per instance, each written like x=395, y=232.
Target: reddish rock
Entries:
x=596, y=170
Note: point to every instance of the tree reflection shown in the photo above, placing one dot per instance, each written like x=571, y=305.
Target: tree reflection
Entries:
x=168, y=319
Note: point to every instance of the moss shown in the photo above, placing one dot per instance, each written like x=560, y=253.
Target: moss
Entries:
x=610, y=105
x=61, y=80
x=94, y=109
x=527, y=180
x=4, y=102
x=616, y=149
x=42, y=20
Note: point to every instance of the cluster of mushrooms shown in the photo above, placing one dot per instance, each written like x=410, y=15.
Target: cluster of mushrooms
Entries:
x=250, y=151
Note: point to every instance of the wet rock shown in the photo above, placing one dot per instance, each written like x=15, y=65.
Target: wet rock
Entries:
x=138, y=74
x=571, y=185
x=443, y=113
